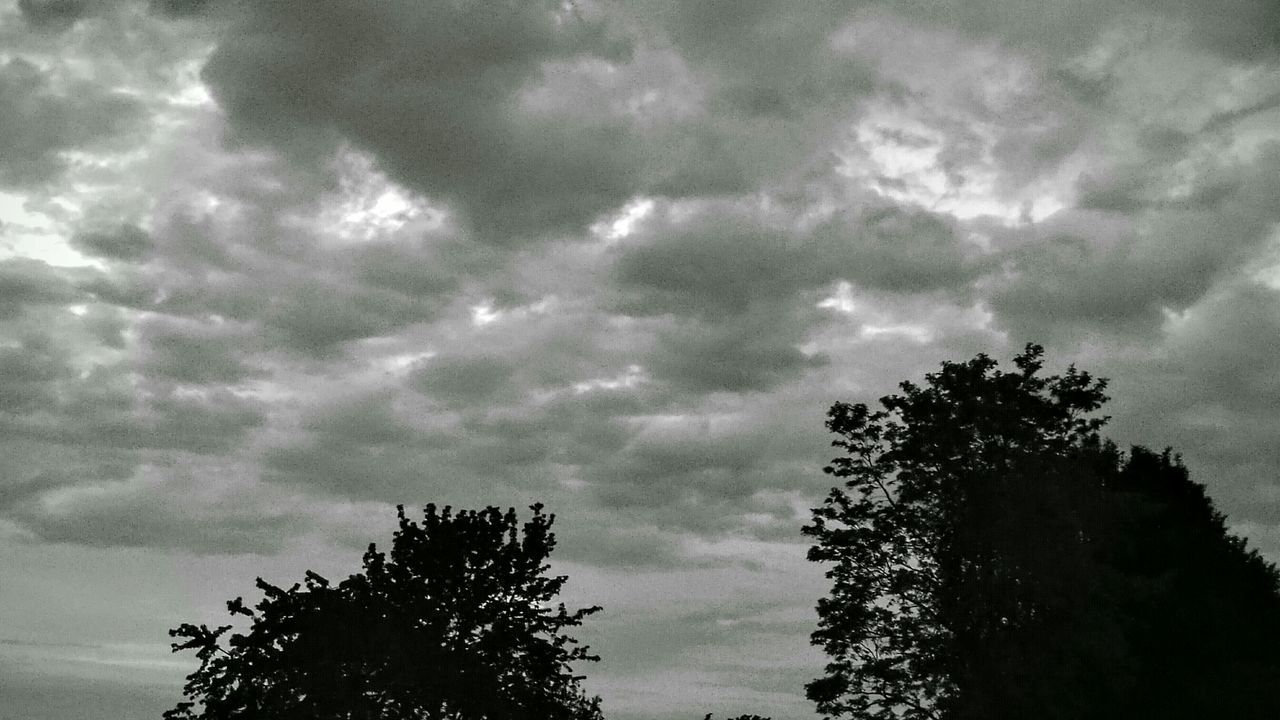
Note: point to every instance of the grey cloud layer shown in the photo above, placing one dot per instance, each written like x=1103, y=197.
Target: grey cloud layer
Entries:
x=38, y=121
x=433, y=90
x=710, y=294
x=614, y=256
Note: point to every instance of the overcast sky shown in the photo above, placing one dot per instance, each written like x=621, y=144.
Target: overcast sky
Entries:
x=268, y=269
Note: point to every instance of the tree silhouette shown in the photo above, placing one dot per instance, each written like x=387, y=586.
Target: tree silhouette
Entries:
x=992, y=557
x=1203, y=610
x=457, y=623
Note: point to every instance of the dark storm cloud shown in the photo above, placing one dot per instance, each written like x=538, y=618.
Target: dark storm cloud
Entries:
x=1227, y=348
x=32, y=469
x=29, y=373
x=374, y=447
x=58, y=14
x=75, y=440
x=773, y=92
x=705, y=468
x=722, y=261
x=360, y=447
x=1119, y=266
x=1210, y=391
x=317, y=318
x=898, y=249
x=433, y=90
x=1236, y=29
x=732, y=288
x=741, y=287
x=536, y=118
x=729, y=261
x=193, y=352
x=1245, y=30
x=612, y=544
x=40, y=119
x=181, y=8
x=274, y=286
x=76, y=432
x=117, y=418
x=89, y=405
x=464, y=380
x=127, y=242
x=748, y=352
x=25, y=282
x=768, y=58
x=163, y=515
x=431, y=267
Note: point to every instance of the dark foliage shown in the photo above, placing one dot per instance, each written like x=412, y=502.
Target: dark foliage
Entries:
x=1202, y=610
x=457, y=623
x=993, y=558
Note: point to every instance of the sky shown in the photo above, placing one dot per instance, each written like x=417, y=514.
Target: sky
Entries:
x=268, y=269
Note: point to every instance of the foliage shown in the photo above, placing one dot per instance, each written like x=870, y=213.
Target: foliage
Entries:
x=1202, y=609
x=992, y=557
x=456, y=623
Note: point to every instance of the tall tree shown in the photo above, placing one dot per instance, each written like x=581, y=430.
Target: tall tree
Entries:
x=992, y=557
x=458, y=624
x=954, y=497
x=1203, y=609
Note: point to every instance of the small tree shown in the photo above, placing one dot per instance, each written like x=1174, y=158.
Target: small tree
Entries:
x=456, y=624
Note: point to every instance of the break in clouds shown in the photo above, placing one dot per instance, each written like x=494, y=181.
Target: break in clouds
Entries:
x=270, y=268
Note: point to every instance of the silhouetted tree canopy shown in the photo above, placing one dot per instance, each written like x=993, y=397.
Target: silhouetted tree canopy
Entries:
x=992, y=557
x=457, y=623
x=1202, y=610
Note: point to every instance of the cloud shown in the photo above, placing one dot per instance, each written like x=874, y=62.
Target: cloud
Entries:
x=167, y=503
x=58, y=14
x=395, y=446
x=364, y=446
x=40, y=120
x=744, y=353
x=433, y=91
x=25, y=282
x=28, y=373
x=1212, y=384
x=127, y=242
x=899, y=249
x=719, y=262
x=1238, y=30
x=617, y=257
x=195, y=353
x=536, y=119
x=1119, y=269
x=163, y=509
x=466, y=380
x=769, y=93
x=316, y=318
x=734, y=290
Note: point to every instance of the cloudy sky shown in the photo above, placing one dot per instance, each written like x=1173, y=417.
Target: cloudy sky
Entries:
x=268, y=269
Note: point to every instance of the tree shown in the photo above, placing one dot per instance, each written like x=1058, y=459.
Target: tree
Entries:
x=993, y=557
x=954, y=496
x=456, y=624
x=1203, y=609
